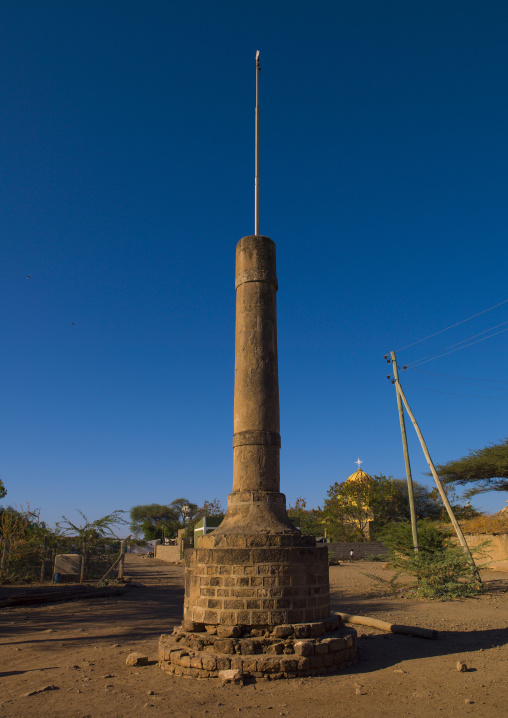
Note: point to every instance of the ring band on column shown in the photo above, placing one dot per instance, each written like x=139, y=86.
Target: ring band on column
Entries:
x=256, y=275
x=256, y=438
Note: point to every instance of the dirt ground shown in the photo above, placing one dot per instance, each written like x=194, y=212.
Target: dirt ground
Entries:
x=80, y=648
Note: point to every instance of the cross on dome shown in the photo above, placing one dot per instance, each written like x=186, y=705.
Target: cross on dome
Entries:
x=358, y=461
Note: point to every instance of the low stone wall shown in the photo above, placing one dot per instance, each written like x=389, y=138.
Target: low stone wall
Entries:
x=340, y=551
x=285, y=651
x=171, y=554
x=496, y=553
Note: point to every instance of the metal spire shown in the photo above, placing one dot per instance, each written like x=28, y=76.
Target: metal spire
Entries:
x=256, y=180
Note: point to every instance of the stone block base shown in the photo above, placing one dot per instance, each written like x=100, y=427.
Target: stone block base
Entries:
x=260, y=580
x=284, y=651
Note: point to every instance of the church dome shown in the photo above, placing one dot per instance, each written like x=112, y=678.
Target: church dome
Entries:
x=360, y=475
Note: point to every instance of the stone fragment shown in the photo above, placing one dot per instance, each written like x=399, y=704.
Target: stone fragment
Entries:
x=288, y=664
x=229, y=631
x=192, y=626
x=209, y=662
x=224, y=645
x=321, y=648
x=302, y=630
x=276, y=648
x=223, y=663
x=461, y=667
x=304, y=648
x=317, y=629
x=136, y=659
x=283, y=631
x=231, y=676
x=41, y=690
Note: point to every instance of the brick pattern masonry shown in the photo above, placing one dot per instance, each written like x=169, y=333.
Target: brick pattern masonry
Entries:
x=258, y=586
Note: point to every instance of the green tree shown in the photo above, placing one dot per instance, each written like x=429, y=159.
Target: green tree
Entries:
x=3, y=490
x=427, y=504
x=486, y=469
x=185, y=510
x=310, y=521
x=155, y=521
x=352, y=505
x=209, y=508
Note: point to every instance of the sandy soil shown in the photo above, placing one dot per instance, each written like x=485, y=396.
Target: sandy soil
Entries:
x=80, y=648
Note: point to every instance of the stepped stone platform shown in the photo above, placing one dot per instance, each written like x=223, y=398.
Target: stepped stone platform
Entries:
x=199, y=650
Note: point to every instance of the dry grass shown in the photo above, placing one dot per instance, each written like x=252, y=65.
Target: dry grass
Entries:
x=495, y=524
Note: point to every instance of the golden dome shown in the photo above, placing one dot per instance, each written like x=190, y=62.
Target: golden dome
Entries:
x=359, y=475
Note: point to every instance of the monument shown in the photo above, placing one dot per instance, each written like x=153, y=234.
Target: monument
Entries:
x=257, y=597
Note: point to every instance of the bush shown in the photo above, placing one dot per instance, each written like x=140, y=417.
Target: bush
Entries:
x=441, y=569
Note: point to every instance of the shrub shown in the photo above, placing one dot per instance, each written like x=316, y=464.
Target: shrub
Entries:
x=441, y=569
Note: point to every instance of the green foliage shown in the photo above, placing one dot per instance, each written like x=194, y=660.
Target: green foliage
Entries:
x=398, y=538
x=311, y=523
x=184, y=509
x=3, y=490
x=486, y=469
x=427, y=504
x=209, y=508
x=444, y=574
x=441, y=569
x=352, y=505
x=155, y=521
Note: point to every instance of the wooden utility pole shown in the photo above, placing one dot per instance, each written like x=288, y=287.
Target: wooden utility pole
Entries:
x=406, y=455
x=43, y=560
x=83, y=558
x=439, y=485
x=123, y=546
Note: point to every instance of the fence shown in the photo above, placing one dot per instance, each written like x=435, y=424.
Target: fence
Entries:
x=361, y=550
x=32, y=560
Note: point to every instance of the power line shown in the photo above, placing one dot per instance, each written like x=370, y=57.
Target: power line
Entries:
x=437, y=355
x=462, y=379
x=452, y=325
x=469, y=396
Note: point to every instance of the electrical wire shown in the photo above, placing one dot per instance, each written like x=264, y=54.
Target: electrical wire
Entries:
x=437, y=355
x=462, y=379
x=469, y=396
x=452, y=325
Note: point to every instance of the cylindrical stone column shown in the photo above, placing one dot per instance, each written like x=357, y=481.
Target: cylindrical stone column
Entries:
x=256, y=569
x=256, y=438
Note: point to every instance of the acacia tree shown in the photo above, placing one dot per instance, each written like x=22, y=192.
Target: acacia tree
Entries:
x=486, y=469
x=155, y=521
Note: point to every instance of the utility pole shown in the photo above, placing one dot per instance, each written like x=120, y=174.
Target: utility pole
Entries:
x=406, y=455
x=439, y=485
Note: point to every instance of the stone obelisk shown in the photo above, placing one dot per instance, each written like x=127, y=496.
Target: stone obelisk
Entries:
x=256, y=575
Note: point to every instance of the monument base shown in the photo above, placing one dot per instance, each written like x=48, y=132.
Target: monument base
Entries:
x=284, y=651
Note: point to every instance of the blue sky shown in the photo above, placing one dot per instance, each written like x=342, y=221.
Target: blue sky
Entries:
x=127, y=170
